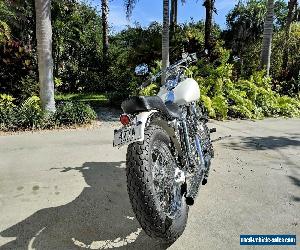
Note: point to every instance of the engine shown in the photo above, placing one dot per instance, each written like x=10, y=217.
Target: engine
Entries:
x=197, y=125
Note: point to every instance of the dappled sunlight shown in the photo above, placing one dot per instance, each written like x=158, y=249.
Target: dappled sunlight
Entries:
x=105, y=244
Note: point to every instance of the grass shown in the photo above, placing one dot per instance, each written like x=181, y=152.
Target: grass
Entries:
x=90, y=98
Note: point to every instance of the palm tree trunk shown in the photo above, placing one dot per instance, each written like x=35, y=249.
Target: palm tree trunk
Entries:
x=44, y=49
x=173, y=15
x=165, y=39
x=105, y=43
x=209, y=6
x=291, y=6
x=176, y=12
x=267, y=37
x=297, y=13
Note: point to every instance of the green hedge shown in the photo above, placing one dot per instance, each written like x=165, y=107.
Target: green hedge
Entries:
x=29, y=114
x=251, y=98
x=224, y=96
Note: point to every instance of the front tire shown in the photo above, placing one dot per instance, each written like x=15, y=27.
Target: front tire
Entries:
x=157, y=219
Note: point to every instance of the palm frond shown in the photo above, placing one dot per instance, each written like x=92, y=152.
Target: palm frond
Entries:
x=129, y=6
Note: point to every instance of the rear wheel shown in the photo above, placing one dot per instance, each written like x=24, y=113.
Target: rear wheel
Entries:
x=154, y=184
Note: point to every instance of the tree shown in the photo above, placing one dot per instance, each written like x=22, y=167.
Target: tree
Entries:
x=20, y=16
x=292, y=7
x=129, y=4
x=267, y=37
x=209, y=6
x=297, y=14
x=173, y=15
x=245, y=22
x=105, y=43
x=165, y=39
x=44, y=49
x=77, y=34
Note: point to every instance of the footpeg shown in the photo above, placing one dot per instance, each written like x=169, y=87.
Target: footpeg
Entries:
x=213, y=130
x=189, y=201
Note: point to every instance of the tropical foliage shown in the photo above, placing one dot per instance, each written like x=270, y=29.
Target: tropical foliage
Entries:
x=29, y=114
x=231, y=80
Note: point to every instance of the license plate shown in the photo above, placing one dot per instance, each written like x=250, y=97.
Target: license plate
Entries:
x=127, y=135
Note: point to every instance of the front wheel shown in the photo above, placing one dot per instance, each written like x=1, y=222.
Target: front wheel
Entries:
x=155, y=187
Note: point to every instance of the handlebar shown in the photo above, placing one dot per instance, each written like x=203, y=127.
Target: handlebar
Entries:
x=190, y=58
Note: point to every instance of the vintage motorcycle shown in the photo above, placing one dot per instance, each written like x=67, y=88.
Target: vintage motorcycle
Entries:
x=169, y=152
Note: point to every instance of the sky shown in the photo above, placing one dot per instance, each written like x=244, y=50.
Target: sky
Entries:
x=147, y=11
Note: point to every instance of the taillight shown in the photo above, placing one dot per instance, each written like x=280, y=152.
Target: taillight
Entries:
x=124, y=119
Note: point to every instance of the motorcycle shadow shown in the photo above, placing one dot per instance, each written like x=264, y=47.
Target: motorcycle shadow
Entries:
x=100, y=217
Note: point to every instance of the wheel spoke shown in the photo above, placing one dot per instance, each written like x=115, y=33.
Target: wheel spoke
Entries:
x=163, y=172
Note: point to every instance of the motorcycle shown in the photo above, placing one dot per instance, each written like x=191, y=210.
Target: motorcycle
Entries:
x=169, y=150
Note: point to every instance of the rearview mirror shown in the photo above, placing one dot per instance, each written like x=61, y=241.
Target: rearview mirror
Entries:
x=141, y=70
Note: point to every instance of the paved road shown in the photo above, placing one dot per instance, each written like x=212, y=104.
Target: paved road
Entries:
x=67, y=189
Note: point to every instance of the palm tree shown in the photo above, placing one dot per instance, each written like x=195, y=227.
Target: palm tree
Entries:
x=44, y=49
x=129, y=5
x=297, y=14
x=165, y=39
x=267, y=37
x=173, y=15
x=291, y=6
x=105, y=43
x=209, y=6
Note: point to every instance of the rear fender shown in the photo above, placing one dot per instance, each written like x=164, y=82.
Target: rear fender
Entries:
x=153, y=117
x=144, y=118
x=170, y=131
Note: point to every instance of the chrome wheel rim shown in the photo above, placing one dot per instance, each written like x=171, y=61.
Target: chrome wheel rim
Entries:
x=167, y=179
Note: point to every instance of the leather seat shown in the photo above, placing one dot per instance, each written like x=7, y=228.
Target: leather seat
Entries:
x=138, y=104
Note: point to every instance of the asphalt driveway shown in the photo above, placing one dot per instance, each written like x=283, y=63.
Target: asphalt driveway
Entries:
x=67, y=189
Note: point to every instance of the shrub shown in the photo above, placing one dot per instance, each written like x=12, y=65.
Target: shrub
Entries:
x=223, y=96
x=29, y=114
x=288, y=106
x=208, y=106
x=220, y=106
x=7, y=112
x=28, y=86
x=5, y=32
x=69, y=113
x=150, y=90
x=18, y=70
